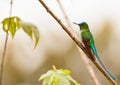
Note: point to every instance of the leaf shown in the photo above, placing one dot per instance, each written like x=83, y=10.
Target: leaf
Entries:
x=27, y=28
x=31, y=30
x=47, y=75
x=47, y=78
x=11, y=25
x=5, y=24
x=57, y=77
x=72, y=80
x=62, y=80
x=36, y=35
x=67, y=72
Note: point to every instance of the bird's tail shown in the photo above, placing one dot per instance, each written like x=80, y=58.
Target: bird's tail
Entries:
x=99, y=60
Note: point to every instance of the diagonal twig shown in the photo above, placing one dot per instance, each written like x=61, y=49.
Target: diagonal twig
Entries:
x=76, y=40
x=89, y=68
x=86, y=61
x=64, y=13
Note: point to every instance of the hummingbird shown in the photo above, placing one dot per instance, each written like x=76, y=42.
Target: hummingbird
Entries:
x=88, y=42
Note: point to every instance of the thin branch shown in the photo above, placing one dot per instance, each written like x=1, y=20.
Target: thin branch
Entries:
x=86, y=61
x=76, y=40
x=89, y=68
x=64, y=13
x=5, y=46
x=11, y=6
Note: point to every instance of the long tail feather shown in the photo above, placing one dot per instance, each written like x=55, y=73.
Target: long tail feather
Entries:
x=99, y=60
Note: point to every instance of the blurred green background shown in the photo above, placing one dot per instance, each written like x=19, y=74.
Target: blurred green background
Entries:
x=24, y=65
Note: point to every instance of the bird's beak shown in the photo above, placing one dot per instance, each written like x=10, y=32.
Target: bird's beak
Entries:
x=75, y=23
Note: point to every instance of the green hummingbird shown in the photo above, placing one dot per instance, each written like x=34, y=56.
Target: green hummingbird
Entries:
x=88, y=42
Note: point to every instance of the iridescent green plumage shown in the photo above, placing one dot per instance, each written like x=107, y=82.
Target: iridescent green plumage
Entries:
x=88, y=41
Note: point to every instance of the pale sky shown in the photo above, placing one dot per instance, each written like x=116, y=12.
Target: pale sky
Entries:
x=94, y=12
x=91, y=11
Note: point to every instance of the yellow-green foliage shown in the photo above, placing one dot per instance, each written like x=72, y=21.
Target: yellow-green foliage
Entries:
x=12, y=24
x=58, y=77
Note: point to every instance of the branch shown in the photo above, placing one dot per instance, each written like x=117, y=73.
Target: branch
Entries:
x=64, y=13
x=89, y=68
x=86, y=61
x=76, y=40
x=5, y=46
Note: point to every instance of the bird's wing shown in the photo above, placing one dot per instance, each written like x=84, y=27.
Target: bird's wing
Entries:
x=86, y=42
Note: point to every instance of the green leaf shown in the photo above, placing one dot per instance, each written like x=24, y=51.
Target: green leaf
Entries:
x=47, y=75
x=27, y=28
x=47, y=78
x=31, y=30
x=61, y=80
x=57, y=77
x=72, y=80
x=67, y=72
x=11, y=25
x=36, y=35
x=5, y=24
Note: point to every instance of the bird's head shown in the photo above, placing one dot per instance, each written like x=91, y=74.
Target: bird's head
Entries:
x=83, y=25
